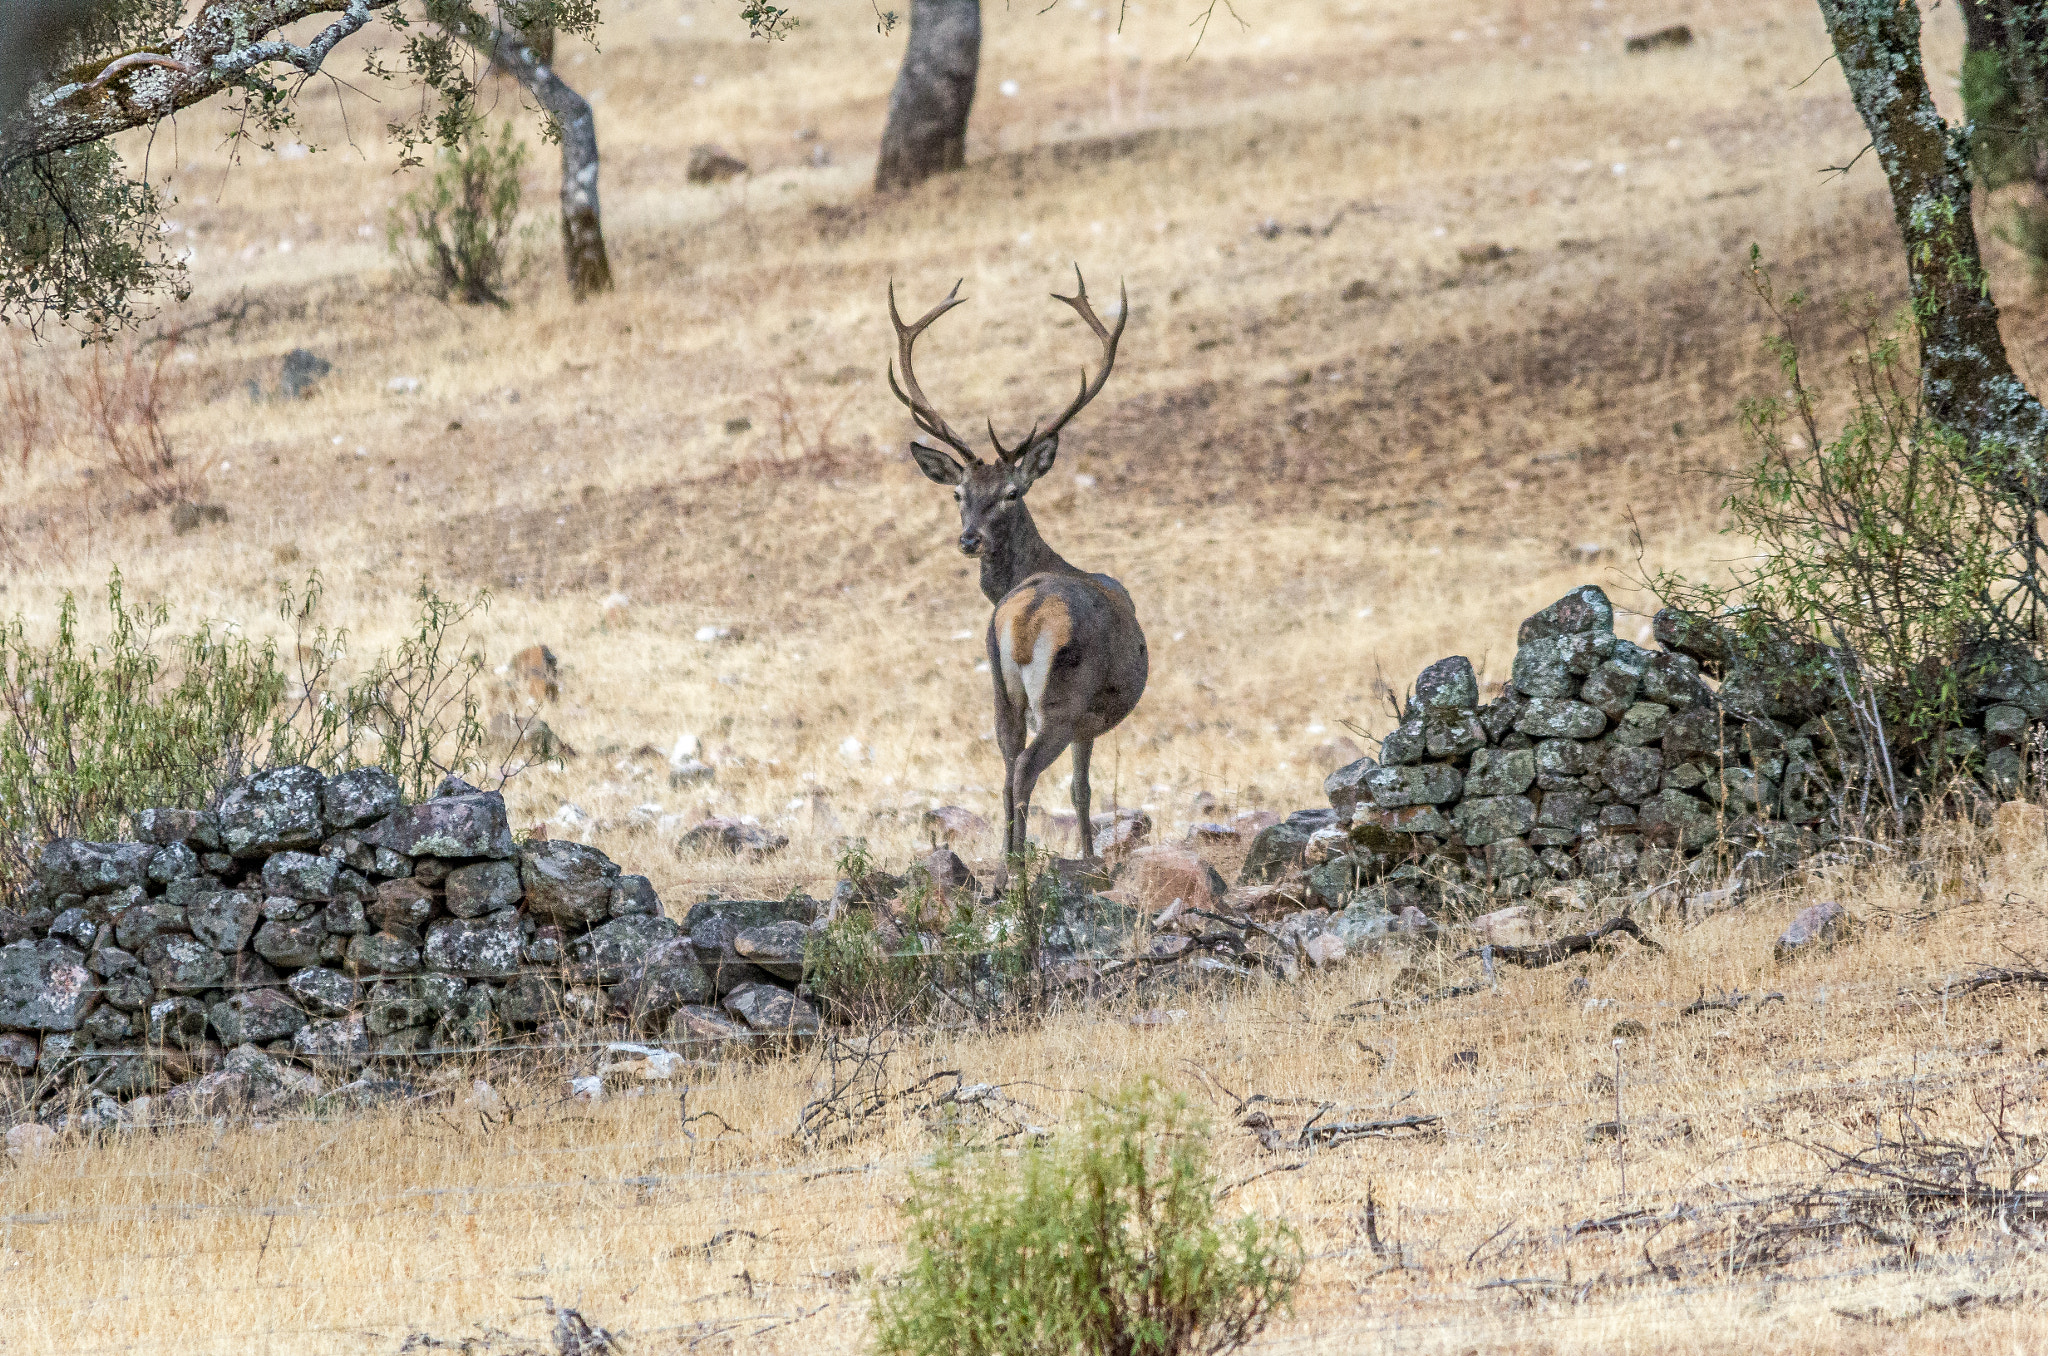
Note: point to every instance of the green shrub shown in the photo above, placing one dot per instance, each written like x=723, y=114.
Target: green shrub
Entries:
x=1910, y=546
x=459, y=231
x=861, y=978
x=90, y=733
x=1108, y=1243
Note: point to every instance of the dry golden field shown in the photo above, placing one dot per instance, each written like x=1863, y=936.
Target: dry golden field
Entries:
x=1432, y=310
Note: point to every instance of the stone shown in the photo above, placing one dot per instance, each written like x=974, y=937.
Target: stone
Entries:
x=75, y=926
x=713, y=939
x=475, y=948
x=106, y=1025
x=324, y=992
x=1561, y=718
x=44, y=986
x=734, y=837
x=752, y=913
x=1405, y=744
x=1419, y=784
x=178, y=1021
x=290, y=946
x=164, y=827
x=350, y=851
x=546, y=947
x=1153, y=877
x=699, y=1028
x=226, y=919
x=777, y=948
x=171, y=863
x=1346, y=784
x=1542, y=668
x=2005, y=726
x=257, y=1017
x=279, y=909
x=271, y=1084
x=473, y=1023
x=184, y=965
x=392, y=1008
x=400, y=904
x=482, y=887
x=1612, y=688
x=30, y=1143
x=359, y=796
x=1449, y=733
x=1805, y=795
x=1643, y=723
x=1448, y=683
x=17, y=1051
x=1323, y=950
x=111, y=960
x=300, y=875
x=531, y=999
x=769, y=1010
x=1815, y=930
x=1739, y=790
x=633, y=896
x=300, y=372
x=1500, y=772
x=395, y=865
x=567, y=882
x=71, y=866
x=1514, y=926
x=1584, y=609
x=1673, y=681
x=345, y=917
x=1498, y=716
x=382, y=953
x=668, y=978
x=469, y=825
x=621, y=945
x=1564, y=809
x=22, y=926
x=1610, y=858
x=1632, y=774
x=129, y=991
x=339, y=1044
x=271, y=811
x=689, y=772
x=1280, y=849
x=1488, y=819
x=948, y=823
x=710, y=164
x=1406, y=819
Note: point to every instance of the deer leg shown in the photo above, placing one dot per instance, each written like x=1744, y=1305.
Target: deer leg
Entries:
x=1082, y=748
x=1050, y=744
x=1010, y=739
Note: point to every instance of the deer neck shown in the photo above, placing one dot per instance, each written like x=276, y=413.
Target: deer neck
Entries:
x=1016, y=555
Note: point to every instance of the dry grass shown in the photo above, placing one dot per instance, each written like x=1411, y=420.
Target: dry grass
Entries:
x=1327, y=455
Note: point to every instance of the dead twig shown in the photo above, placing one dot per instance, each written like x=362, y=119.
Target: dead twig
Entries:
x=1535, y=957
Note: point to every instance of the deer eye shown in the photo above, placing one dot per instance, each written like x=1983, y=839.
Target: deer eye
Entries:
x=1010, y=495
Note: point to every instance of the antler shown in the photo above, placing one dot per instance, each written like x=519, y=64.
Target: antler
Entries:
x=1089, y=389
x=922, y=412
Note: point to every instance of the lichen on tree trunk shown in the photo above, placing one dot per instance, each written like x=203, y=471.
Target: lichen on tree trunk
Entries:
x=583, y=250
x=927, y=130
x=1967, y=381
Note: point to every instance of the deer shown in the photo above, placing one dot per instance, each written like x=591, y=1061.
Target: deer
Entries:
x=1065, y=649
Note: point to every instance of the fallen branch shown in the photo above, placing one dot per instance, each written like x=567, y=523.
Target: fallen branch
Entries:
x=1550, y=953
x=1994, y=979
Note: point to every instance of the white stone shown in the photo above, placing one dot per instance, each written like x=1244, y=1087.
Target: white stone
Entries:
x=30, y=1143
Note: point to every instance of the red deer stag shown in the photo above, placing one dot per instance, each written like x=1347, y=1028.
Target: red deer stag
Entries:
x=1064, y=645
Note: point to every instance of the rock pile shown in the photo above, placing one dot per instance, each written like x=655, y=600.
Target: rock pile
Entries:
x=308, y=926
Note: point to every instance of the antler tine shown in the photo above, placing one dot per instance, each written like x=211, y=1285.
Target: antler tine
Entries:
x=1108, y=337
x=922, y=412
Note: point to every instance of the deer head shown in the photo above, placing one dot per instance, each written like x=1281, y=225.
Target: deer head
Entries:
x=991, y=495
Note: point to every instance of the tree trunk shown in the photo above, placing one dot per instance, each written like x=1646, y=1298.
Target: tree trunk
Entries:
x=590, y=270
x=927, y=131
x=1967, y=381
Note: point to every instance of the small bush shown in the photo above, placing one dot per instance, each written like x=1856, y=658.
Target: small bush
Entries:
x=459, y=230
x=860, y=976
x=1109, y=1243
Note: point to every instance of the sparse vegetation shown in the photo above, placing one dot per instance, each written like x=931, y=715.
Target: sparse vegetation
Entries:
x=1108, y=1240
x=459, y=232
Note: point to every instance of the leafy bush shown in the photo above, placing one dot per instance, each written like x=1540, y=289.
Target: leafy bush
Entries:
x=852, y=966
x=1107, y=1243
x=90, y=733
x=459, y=230
x=1909, y=546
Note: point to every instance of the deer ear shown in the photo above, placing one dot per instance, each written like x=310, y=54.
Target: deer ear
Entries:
x=1037, y=459
x=937, y=466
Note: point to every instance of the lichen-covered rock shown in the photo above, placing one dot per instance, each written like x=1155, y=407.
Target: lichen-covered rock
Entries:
x=1815, y=930
x=44, y=986
x=76, y=926
x=400, y=904
x=360, y=796
x=475, y=948
x=483, y=887
x=472, y=825
x=339, y=1044
x=634, y=896
x=621, y=945
x=1415, y=784
x=1448, y=683
x=1674, y=819
x=1451, y=733
x=184, y=965
x=1612, y=688
x=344, y=917
x=471, y=1023
x=752, y=913
x=1584, y=609
x=1739, y=790
x=72, y=866
x=226, y=919
x=172, y=863
x=1542, y=668
x=165, y=826
x=771, y=1011
x=777, y=948
x=712, y=938
x=1673, y=681
x=1488, y=819
x=668, y=978
x=289, y=946
x=1281, y=848
x=178, y=1021
x=393, y=1007
x=567, y=882
x=300, y=875
x=324, y=992
x=257, y=1017
x=382, y=953
x=17, y=1052
x=1500, y=772
x=706, y=1030
x=271, y=811
x=1561, y=718
x=280, y=909
x=1405, y=744
x=1346, y=784
x=529, y=1000
x=735, y=837
x=1632, y=774
x=1643, y=723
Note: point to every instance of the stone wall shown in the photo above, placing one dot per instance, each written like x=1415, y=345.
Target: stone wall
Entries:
x=309, y=925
